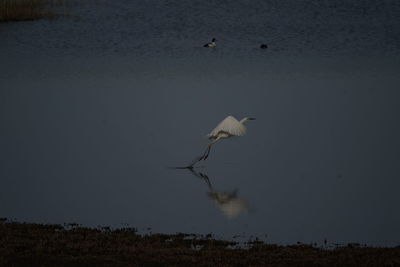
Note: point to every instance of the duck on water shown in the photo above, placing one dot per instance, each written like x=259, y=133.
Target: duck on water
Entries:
x=211, y=44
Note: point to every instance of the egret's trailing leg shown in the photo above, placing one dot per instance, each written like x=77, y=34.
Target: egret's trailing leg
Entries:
x=207, y=153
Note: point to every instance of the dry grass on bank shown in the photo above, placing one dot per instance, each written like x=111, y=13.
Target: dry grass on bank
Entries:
x=24, y=244
x=19, y=10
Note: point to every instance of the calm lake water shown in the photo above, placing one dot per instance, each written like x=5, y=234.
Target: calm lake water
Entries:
x=96, y=107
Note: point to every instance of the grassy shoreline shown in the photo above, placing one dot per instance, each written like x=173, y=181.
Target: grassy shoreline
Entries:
x=23, y=244
x=21, y=10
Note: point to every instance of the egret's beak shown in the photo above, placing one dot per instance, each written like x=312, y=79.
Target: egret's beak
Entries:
x=252, y=119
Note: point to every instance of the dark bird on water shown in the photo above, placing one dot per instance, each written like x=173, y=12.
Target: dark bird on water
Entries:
x=264, y=46
x=211, y=44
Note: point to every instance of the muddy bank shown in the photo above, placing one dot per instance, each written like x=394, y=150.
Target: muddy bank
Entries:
x=25, y=244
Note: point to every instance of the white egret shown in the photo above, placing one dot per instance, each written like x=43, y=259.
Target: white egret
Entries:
x=229, y=127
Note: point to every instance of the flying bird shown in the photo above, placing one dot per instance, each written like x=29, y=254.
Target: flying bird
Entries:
x=229, y=127
x=211, y=44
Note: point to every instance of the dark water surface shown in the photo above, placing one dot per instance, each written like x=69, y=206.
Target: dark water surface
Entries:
x=95, y=108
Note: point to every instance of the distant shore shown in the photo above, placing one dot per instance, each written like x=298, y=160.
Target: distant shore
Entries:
x=27, y=244
x=21, y=10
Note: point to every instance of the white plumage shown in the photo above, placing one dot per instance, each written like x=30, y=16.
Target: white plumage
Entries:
x=229, y=127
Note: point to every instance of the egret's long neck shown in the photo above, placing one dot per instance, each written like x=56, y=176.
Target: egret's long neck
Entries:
x=244, y=120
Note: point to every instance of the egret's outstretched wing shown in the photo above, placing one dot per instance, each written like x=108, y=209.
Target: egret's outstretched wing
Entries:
x=229, y=125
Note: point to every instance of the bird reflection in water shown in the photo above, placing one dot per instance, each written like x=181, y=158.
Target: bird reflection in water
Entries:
x=229, y=203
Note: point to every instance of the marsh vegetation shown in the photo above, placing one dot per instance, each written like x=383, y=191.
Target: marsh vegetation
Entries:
x=23, y=244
